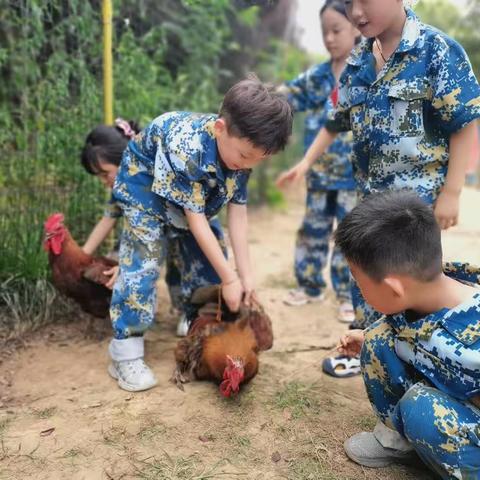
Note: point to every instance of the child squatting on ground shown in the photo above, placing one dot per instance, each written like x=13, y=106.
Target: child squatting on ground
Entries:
x=175, y=175
x=101, y=156
x=330, y=183
x=410, y=97
x=421, y=360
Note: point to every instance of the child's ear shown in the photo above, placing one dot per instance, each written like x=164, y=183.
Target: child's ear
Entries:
x=220, y=126
x=395, y=285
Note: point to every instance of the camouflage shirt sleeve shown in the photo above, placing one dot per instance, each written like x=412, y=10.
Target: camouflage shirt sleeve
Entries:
x=304, y=92
x=112, y=209
x=455, y=91
x=240, y=196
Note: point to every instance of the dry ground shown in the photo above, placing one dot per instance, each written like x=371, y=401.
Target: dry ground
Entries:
x=63, y=417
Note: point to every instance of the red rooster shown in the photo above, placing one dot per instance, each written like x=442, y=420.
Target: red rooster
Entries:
x=75, y=273
x=223, y=347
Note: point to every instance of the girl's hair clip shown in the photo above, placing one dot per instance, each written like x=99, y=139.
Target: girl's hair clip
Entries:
x=125, y=127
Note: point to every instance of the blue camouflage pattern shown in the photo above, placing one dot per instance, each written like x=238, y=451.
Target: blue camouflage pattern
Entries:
x=173, y=256
x=141, y=255
x=310, y=92
x=402, y=118
x=313, y=238
x=423, y=379
x=171, y=165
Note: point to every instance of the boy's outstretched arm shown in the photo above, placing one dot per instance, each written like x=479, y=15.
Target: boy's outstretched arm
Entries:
x=98, y=235
x=232, y=289
x=321, y=143
x=237, y=230
x=448, y=202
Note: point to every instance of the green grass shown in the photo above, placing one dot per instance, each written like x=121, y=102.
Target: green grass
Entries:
x=74, y=452
x=45, y=412
x=299, y=398
x=152, y=432
x=5, y=421
x=167, y=467
x=366, y=423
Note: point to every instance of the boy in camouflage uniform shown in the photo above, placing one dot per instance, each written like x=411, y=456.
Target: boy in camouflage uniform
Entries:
x=421, y=360
x=411, y=105
x=175, y=175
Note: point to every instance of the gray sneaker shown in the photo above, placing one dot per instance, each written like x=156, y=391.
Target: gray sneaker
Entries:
x=132, y=375
x=364, y=449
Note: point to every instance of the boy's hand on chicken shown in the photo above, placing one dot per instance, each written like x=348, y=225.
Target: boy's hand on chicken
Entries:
x=249, y=294
x=232, y=293
x=113, y=274
x=351, y=343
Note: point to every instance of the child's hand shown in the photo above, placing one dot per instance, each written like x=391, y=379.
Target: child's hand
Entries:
x=293, y=175
x=232, y=293
x=249, y=294
x=113, y=274
x=446, y=209
x=351, y=343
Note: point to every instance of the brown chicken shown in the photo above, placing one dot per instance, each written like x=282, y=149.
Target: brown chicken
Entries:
x=223, y=347
x=76, y=274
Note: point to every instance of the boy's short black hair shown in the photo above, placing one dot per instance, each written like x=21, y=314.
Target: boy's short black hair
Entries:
x=392, y=233
x=257, y=112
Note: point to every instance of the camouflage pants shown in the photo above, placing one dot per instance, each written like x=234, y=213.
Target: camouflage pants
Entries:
x=313, y=238
x=144, y=245
x=444, y=431
x=174, y=262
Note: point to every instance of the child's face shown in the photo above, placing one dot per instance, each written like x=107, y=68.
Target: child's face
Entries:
x=236, y=153
x=386, y=296
x=107, y=174
x=338, y=34
x=373, y=17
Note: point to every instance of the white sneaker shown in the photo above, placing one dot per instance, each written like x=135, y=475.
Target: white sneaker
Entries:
x=346, y=313
x=132, y=375
x=182, y=326
x=298, y=297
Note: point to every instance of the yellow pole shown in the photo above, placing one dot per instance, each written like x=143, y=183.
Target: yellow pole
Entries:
x=107, y=62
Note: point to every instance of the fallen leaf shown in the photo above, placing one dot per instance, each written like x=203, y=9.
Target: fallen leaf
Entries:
x=276, y=457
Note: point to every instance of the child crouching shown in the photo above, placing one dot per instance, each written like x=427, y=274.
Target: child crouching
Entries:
x=421, y=360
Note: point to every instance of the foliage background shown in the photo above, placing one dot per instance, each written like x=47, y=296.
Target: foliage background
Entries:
x=168, y=55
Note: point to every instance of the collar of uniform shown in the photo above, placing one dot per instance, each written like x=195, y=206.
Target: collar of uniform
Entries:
x=421, y=328
x=211, y=163
x=359, y=52
x=411, y=37
x=463, y=321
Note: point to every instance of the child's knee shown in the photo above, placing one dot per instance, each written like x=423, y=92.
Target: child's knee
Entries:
x=417, y=414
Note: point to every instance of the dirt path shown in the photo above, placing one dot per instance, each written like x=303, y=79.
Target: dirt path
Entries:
x=62, y=416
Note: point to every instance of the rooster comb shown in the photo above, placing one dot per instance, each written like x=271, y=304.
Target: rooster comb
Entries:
x=53, y=221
